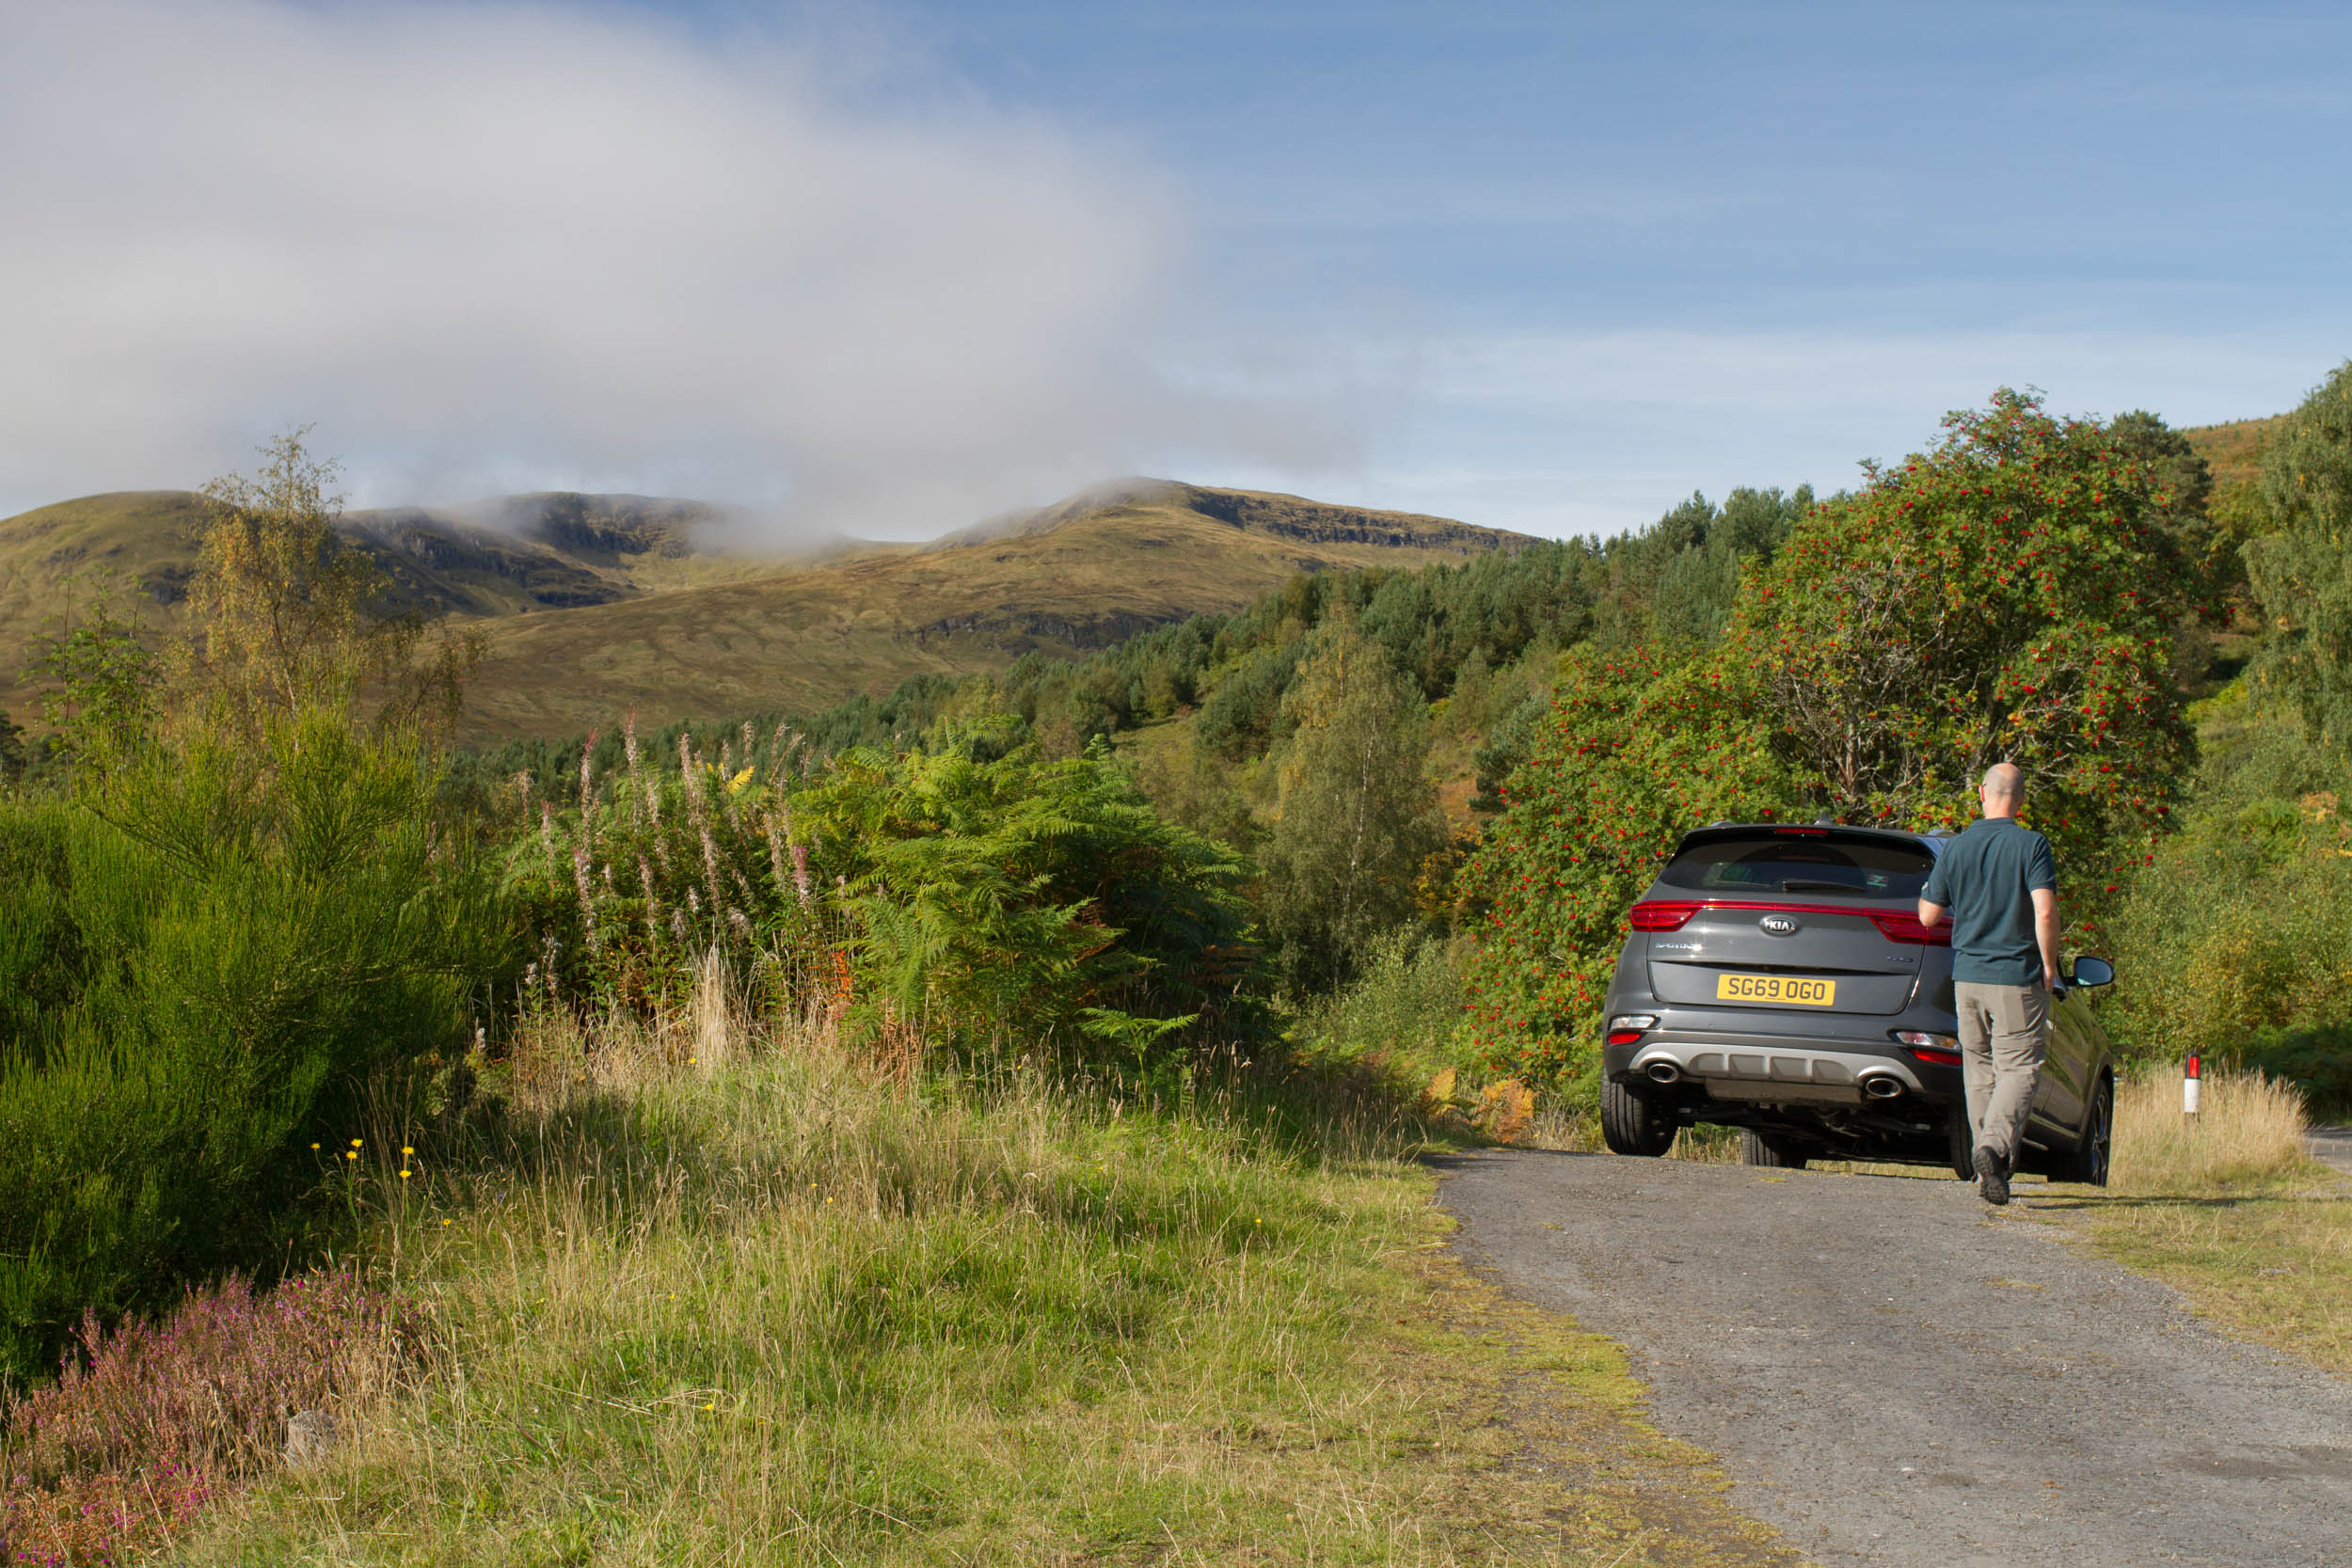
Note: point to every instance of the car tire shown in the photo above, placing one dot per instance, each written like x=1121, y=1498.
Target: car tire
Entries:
x=1631, y=1125
x=2087, y=1163
x=1758, y=1149
x=1964, y=1145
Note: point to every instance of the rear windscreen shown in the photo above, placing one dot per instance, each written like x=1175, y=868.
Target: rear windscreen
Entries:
x=1771, y=862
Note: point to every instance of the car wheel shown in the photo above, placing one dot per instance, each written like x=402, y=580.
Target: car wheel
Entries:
x=2087, y=1162
x=1631, y=1125
x=1964, y=1145
x=1759, y=1149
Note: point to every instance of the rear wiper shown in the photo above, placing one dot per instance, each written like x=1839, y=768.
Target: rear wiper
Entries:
x=1800, y=884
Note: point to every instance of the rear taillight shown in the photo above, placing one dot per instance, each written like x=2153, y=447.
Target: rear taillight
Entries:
x=1904, y=926
x=1625, y=1028
x=1942, y=1050
x=1656, y=916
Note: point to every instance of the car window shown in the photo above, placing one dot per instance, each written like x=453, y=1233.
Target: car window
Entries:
x=1774, y=863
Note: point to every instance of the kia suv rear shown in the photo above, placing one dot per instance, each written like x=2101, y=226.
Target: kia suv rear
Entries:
x=1776, y=978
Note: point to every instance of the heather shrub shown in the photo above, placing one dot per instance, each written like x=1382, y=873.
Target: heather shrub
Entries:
x=146, y=1424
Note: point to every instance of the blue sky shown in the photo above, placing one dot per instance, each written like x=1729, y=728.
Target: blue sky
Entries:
x=885, y=266
x=1639, y=248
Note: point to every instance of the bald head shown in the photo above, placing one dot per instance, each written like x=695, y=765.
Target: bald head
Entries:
x=2003, y=790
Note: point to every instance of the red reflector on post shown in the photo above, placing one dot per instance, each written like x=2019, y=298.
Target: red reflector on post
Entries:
x=1904, y=926
x=1660, y=916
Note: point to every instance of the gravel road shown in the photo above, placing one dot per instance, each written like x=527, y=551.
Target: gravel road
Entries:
x=1894, y=1373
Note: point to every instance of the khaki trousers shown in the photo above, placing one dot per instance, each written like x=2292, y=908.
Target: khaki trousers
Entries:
x=2004, y=1032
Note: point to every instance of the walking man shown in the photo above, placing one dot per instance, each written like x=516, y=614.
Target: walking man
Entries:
x=2000, y=886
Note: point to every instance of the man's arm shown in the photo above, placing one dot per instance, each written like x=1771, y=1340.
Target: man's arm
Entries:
x=1930, y=912
x=2046, y=932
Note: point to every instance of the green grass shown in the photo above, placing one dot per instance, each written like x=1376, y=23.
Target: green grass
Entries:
x=781, y=1307
x=2230, y=1210
x=2271, y=1261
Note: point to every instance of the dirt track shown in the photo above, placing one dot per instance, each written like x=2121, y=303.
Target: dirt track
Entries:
x=1894, y=1373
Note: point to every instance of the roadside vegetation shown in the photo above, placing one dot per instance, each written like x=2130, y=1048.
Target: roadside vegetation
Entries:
x=751, y=1153
x=985, y=1122
x=2230, y=1209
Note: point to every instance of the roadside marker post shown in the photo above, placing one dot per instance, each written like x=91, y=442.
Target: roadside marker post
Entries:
x=2190, y=1085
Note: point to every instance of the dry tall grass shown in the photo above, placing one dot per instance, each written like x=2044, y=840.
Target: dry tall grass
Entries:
x=725, y=1291
x=2249, y=1129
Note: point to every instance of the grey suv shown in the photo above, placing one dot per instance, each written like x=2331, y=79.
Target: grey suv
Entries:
x=1777, y=979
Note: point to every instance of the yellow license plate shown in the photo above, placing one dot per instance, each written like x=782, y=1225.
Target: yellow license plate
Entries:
x=1785, y=989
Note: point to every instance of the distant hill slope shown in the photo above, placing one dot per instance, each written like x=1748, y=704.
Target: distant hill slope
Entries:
x=1058, y=582
x=2234, y=450
x=596, y=604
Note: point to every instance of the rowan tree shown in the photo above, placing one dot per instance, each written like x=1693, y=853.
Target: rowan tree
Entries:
x=1639, y=746
x=2012, y=595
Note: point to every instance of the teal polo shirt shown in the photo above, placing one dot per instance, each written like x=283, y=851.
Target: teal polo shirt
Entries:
x=1986, y=877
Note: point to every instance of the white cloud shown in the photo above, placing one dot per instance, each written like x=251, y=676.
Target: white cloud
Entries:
x=499, y=248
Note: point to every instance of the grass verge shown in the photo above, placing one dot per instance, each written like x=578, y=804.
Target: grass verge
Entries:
x=709, y=1299
x=2229, y=1211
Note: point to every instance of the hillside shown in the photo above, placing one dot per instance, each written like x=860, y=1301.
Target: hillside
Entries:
x=596, y=604
x=1059, y=581
x=2234, y=450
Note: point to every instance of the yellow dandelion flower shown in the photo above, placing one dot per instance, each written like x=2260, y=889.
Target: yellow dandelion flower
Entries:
x=314, y=1146
x=404, y=1176
x=448, y=1222
x=710, y=1407
x=355, y=1143
x=405, y=1149
x=350, y=1154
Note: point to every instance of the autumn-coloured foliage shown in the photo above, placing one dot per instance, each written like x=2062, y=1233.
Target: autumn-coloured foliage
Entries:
x=2012, y=595
x=1637, y=749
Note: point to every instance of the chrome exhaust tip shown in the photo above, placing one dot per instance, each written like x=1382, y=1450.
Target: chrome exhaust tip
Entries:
x=1665, y=1072
x=1883, y=1086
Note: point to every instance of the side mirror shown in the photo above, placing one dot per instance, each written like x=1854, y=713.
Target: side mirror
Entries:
x=2090, y=974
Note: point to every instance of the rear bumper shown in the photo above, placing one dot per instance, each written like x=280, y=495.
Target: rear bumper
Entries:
x=1768, y=1071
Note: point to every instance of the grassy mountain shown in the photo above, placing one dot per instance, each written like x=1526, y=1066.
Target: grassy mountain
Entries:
x=2234, y=450
x=596, y=604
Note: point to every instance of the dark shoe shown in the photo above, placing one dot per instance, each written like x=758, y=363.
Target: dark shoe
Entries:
x=1992, y=1176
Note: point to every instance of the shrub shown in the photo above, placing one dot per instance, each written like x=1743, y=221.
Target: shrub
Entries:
x=148, y=1423
x=1027, y=896
x=2236, y=936
x=1403, y=1014
x=978, y=886
x=206, y=962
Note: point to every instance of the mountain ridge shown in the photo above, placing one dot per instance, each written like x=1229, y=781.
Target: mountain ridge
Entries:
x=594, y=604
